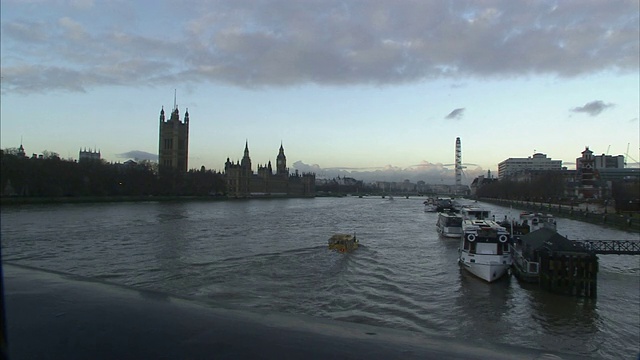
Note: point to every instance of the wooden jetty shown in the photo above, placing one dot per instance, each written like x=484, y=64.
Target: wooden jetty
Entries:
x=556, y=263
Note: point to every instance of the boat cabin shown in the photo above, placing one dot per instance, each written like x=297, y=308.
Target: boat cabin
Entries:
x=485, y=237
x=474, y=213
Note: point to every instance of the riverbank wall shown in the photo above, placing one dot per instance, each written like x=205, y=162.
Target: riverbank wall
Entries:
x=583, y=212
x=9, y=201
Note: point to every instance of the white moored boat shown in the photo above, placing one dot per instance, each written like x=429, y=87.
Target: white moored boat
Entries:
x=484, y=247
x=449, y=225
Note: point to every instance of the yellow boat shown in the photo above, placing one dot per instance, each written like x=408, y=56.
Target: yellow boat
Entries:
x=343, y=242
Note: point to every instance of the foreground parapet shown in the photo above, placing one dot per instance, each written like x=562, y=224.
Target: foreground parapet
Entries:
x=56, y=316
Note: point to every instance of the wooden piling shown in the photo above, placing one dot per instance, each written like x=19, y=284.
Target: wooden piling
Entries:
x=571, y=274
x=564, y=267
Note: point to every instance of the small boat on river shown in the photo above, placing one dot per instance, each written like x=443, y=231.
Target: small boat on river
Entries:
x=343, y=242
x=430, y=205
x=446, y=205
x=485, y=246
x=449, y=225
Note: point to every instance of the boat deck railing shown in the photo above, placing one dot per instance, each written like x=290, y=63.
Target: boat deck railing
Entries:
x=531, y=267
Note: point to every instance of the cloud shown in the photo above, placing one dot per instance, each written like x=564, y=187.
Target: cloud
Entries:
x=332, y=42
x=592, y=108
x=428, y=172
x=138, y=155
x=455, y=114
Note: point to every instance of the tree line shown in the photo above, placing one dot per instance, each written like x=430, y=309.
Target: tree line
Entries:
x=552, y=187
x=51, y=176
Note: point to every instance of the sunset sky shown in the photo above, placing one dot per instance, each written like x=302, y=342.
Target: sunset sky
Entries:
x=358, y=85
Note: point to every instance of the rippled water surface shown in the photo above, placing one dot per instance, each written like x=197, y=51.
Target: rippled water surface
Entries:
x=272, y=255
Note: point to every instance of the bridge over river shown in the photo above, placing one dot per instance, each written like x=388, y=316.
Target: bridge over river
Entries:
x=618, y=247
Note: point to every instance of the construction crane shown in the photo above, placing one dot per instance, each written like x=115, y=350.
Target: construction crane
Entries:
x=626, y=156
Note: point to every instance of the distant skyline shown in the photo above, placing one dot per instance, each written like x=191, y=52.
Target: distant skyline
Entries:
x=381, y=87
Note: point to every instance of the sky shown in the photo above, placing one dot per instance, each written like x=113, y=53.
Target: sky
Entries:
x=369, y=89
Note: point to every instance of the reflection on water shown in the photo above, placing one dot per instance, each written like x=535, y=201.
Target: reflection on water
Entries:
x=272, y=255
x=484, y=307
x=556, y=316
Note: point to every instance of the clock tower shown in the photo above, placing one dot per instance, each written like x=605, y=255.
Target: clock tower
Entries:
x=281, y=163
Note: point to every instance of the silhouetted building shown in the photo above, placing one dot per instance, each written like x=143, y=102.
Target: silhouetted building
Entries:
x=21, y=152
x=585, y=167
x=242, y=182
x=481, y=181
x=608, y=162
x=173, y=150
x=89, y=155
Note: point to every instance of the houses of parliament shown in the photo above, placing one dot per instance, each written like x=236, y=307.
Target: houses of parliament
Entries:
x=240, y=180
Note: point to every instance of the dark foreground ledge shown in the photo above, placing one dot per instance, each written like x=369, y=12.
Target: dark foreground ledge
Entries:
x=56, y=316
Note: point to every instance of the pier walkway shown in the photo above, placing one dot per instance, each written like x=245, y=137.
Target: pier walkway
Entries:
x=618, y=247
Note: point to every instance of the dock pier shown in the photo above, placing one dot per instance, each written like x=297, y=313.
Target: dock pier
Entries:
x=574, y=274
x=556, y=263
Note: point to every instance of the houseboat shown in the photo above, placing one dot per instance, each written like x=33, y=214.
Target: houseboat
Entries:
x=484, y=247
x=449, y=225
x=554, y=262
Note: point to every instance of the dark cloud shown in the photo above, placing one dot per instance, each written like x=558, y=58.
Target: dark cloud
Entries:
x=138, y=155
x=592, y=108
x=332, y=42
x=455, y=114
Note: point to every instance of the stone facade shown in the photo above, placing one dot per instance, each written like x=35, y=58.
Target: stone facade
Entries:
x=88, y=155
x=173, y=148
x=242, y=182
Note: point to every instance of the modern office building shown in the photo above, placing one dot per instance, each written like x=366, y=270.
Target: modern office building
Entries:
x=539, y=161
x=608, y=162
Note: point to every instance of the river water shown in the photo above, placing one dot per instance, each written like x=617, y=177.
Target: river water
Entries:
x=272, y=255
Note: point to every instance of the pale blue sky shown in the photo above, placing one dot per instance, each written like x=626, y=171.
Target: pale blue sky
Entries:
x=349, y=84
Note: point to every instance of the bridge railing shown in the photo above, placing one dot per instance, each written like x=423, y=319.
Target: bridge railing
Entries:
x=619, y=247
x=625, y=222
